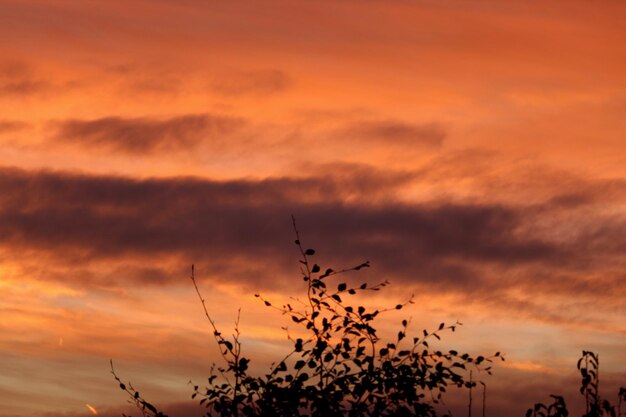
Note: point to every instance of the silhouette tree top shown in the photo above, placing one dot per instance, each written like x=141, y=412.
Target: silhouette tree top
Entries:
x=341, y=368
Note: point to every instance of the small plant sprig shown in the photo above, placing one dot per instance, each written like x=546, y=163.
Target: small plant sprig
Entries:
x=147, y=409
x=589, y=367
x=558, y=408
x=621, y=399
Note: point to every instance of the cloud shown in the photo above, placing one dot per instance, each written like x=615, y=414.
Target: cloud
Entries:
x=146, y=135
x=146, y=79
x=118, y=231
x=115, y=214
x=101, y=217
x=19, y=79
x=11, y=126
x=261, y=82
x=395, y=132
x=23, y=87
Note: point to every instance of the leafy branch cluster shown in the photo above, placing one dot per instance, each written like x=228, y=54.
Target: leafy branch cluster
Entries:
x=342, y=367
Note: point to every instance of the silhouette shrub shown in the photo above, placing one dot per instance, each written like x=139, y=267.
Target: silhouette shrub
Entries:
x=342, y=368
x=588, y=365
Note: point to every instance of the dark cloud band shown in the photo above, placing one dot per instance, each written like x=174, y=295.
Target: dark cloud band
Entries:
x=103, y=217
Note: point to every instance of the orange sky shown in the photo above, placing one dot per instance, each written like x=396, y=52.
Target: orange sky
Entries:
x=473, y=151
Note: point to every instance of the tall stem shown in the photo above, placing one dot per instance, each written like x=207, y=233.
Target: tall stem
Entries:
x=469, y=413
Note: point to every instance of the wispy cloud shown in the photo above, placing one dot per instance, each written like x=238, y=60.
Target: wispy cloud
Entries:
x=394, y=133
x=19, y=79
x=259, y=82
x=145, y=135
x=12, y=126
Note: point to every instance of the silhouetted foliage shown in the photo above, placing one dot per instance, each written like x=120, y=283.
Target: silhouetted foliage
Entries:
x=147, y=409
x=588, y=365
x=342, y=368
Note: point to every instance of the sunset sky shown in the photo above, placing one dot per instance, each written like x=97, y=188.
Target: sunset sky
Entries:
x=473, y=151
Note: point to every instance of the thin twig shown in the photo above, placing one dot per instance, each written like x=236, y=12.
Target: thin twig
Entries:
x=216, y=333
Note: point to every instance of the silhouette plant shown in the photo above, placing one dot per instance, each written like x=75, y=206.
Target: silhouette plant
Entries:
x=588, y=365
x=147, y=409
x=342, y=368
